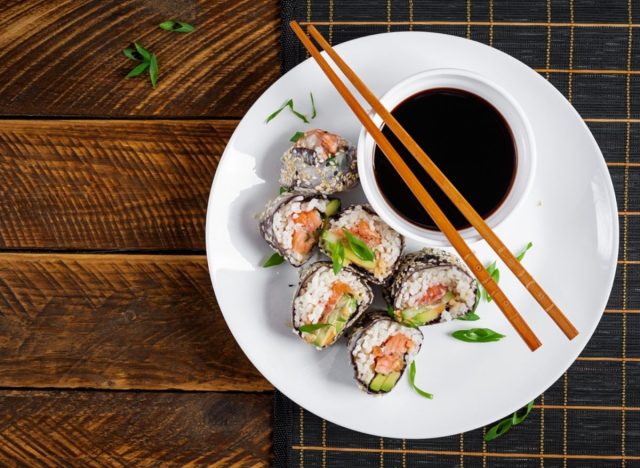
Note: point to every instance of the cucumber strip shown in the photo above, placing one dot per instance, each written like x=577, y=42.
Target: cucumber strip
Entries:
x=332, y=208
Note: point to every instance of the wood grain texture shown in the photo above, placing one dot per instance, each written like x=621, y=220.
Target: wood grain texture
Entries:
x=116, y=322
x=92, y=429
x=95, y=185
x=62, y=57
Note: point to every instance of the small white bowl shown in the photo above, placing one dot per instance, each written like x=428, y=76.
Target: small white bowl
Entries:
x=489, y=91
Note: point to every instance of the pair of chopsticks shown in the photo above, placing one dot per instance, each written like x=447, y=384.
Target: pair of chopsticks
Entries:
x=427, y=201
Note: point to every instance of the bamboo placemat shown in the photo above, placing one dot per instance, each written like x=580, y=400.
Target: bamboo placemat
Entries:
x=589, y=50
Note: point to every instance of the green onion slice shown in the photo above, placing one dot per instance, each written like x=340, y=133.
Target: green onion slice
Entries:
x=412, y=382
x=176, y=26
x=275, y=259
x=477, y=335
x=359, y=247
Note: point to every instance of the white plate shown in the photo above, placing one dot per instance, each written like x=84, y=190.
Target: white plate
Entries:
x=570, y=215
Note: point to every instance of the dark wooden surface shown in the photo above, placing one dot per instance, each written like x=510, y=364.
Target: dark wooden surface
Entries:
x=113, y=350
x=65, y=57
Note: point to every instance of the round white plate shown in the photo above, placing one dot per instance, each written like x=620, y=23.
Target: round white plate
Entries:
x=570, y=216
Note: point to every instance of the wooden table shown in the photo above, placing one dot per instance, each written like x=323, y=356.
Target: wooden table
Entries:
x=112, y=346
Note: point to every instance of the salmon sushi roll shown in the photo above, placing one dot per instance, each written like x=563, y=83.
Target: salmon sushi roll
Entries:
x=327, y=303
x=431, y=286
x=291, y=224
x=380, y=350
x=319, y=162
x=358, y=237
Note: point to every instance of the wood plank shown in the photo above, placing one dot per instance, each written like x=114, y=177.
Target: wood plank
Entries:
x=136, y=185
x=79, y=428
x=62, y=57
x=116, y=322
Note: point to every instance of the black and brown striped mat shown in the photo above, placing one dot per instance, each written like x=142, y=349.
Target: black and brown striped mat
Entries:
x=590, y=51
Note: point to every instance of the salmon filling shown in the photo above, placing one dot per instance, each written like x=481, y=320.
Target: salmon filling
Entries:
x=390, y=356
x=428, y=307
x=306, y=231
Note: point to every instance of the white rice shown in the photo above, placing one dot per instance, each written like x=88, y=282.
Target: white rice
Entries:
x=390, y=246
x=376, y=335
x=455, y=280
x=284, y=221
x=310, y=301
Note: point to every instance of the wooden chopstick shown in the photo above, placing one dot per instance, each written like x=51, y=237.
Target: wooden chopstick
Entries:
x=452, y=193
x=423, y=197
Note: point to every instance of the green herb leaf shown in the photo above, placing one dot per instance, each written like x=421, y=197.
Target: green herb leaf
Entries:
x=471, y=317
x=313, y=327
x=288, y=104
x=359, y=247
x=283, y=190
x=153, y=70
x=517, y=418
x=522, y=253
x=298, y=114
x=391, y=311
x=296, y=136
x=494, y=273
x=313, y=107
x=144, y=53
x=275, y=113
x=503, y=426
x=337, y=257
x=336, y=252
x=132, y=53
x=477, y=335
x=412, y=382
x=498, y=430
x=331, y=161
x=176, y=26
x=275, y=259
x=138, y=69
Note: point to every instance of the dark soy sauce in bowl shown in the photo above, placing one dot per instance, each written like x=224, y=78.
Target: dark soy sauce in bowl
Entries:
x=467, y=138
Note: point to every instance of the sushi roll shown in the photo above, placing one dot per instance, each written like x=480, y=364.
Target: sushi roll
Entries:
x=320, y=162
x=291, y=224
x=326, y=303
x=431, y=286
x=360, y=238
x=380, y=350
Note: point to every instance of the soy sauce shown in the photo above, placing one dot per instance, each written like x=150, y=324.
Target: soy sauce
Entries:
x=467, y=138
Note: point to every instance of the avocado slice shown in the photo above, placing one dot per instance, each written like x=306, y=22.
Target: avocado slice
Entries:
x=324, y=336
x=376, y=382
x=390, y=381
x=345, y=307
x=338, y=318
x=353, y=258
x=448, y=296
x=418, y=316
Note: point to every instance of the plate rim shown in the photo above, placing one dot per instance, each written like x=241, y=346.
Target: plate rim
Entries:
x=601, y=162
